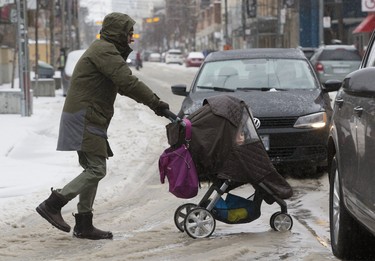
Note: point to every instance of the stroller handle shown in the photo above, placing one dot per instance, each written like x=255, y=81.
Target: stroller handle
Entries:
x=170, y=115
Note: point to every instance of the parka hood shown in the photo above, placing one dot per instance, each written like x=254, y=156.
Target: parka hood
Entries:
x=115, y=29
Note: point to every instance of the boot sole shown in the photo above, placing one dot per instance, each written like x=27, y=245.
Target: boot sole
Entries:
x=50, y=220
x=91, y=238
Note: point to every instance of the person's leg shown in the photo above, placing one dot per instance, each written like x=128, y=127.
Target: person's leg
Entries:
x=85, y=185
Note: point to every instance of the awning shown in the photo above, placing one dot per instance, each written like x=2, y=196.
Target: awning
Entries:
x=366, y=26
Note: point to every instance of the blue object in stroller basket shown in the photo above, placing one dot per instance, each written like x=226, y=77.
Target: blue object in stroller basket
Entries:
x=235, y=209
x=228, y=153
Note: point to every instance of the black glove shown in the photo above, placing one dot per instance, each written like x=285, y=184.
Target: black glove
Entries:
x=160, y=108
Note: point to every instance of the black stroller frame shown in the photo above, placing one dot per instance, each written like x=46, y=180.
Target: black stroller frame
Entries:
x=199, y=220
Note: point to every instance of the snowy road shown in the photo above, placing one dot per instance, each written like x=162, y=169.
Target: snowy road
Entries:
x=131, y=202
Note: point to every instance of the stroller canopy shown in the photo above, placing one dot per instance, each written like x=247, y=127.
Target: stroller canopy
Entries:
x=226, y=145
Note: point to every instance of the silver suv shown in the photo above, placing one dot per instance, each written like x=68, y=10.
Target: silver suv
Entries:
x=351, y=150
x=335, y=61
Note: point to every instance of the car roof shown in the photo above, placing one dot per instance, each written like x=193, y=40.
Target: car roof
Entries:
x=339, y=46
x=196, y=54
x=174, y=50
x=72, y=60
x=256, y=53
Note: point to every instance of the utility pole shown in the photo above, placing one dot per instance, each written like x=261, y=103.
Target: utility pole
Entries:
x=226, y=37
x=321, y=30
x=36, y=40
x=23, y=57
x=52, y=32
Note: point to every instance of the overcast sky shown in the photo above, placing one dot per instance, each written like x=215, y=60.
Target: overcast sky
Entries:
x=137, y=9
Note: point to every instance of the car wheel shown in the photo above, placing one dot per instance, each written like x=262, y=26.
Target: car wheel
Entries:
x=349, y=240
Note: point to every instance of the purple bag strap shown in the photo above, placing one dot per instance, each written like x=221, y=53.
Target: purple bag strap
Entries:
x=187, y=129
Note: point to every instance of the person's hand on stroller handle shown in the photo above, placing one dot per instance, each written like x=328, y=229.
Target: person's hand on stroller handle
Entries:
x=160, y=108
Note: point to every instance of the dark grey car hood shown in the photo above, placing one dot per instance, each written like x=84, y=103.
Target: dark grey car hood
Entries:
x=287, y=103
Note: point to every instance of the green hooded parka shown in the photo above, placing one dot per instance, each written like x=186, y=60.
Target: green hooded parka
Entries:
x=100, y=74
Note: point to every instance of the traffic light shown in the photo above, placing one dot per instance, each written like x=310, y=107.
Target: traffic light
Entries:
x=151, y=20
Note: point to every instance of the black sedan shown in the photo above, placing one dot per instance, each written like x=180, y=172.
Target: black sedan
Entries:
x=351, y=151
x=292, y=110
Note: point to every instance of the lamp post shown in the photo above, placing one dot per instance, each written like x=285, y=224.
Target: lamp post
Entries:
x=23, y=57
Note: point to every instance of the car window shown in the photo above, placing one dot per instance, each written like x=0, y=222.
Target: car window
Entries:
x=175, y=52
x=252, y=74
x=371, y=58
x=340, y=55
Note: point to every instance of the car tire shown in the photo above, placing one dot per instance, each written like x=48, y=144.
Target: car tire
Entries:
x=349, y=240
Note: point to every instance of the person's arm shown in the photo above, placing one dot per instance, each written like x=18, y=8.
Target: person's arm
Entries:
x=113, y=66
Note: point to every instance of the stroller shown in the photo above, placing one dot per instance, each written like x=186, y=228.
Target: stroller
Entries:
x=228, y=153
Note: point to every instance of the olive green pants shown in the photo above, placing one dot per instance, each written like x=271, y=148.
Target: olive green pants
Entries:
x=85, y=185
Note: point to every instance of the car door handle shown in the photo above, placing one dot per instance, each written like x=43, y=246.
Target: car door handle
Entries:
x=339, y=101
x=358, y=111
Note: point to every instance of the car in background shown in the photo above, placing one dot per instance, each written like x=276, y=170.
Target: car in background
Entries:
x=351, y=150
x=174, y=56
x=70, y=64
x=154, y=57
x=308, y=51
x=45, y=70
x=131, y=60
x=194, y=59
x=291, y=108
x=335, y=61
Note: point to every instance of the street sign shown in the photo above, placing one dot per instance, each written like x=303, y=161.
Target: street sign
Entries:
x=368, y=5
x=326, y=22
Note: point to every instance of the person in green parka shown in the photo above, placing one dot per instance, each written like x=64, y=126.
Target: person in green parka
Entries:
x=100, y=74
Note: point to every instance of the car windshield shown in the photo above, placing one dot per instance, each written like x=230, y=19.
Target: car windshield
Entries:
x=255, y=74
x=340, y=54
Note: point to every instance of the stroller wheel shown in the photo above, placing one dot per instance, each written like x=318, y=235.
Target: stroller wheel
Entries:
x=281, y=222
x=199, y=223
x=180, y=214
x=272, y=219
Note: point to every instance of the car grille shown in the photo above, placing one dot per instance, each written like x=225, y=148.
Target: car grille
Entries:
x=297, y=153
x=267, y=123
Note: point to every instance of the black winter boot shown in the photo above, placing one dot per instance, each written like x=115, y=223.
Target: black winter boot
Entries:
x=85, y=229
x=50, y=209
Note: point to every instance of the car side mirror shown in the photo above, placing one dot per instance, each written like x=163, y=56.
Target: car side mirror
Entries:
x=179, y=89
x=360, y=81
x=332, y=85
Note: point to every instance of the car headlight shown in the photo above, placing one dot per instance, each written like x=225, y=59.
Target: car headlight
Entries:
x=315, y=121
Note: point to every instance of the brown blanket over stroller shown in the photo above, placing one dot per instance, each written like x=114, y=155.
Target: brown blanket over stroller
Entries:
x=226, y=145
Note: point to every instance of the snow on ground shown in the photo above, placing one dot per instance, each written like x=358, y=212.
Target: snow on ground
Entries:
x=131, y=202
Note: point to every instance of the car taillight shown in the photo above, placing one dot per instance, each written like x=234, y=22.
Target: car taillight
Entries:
x=319, y=67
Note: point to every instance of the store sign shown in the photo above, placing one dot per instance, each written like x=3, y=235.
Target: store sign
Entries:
x=6, y=2
x=326, y=22
x=368, y=5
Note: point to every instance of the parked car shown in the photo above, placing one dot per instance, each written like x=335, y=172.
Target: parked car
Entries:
x=45, y=70
x=174, y=56
x=335, y=61
x=154, y=57
x=308, y=51
x=194, y=59
x=131, y=60
x=70, y=64
x=292, y=110
x=351, y=151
